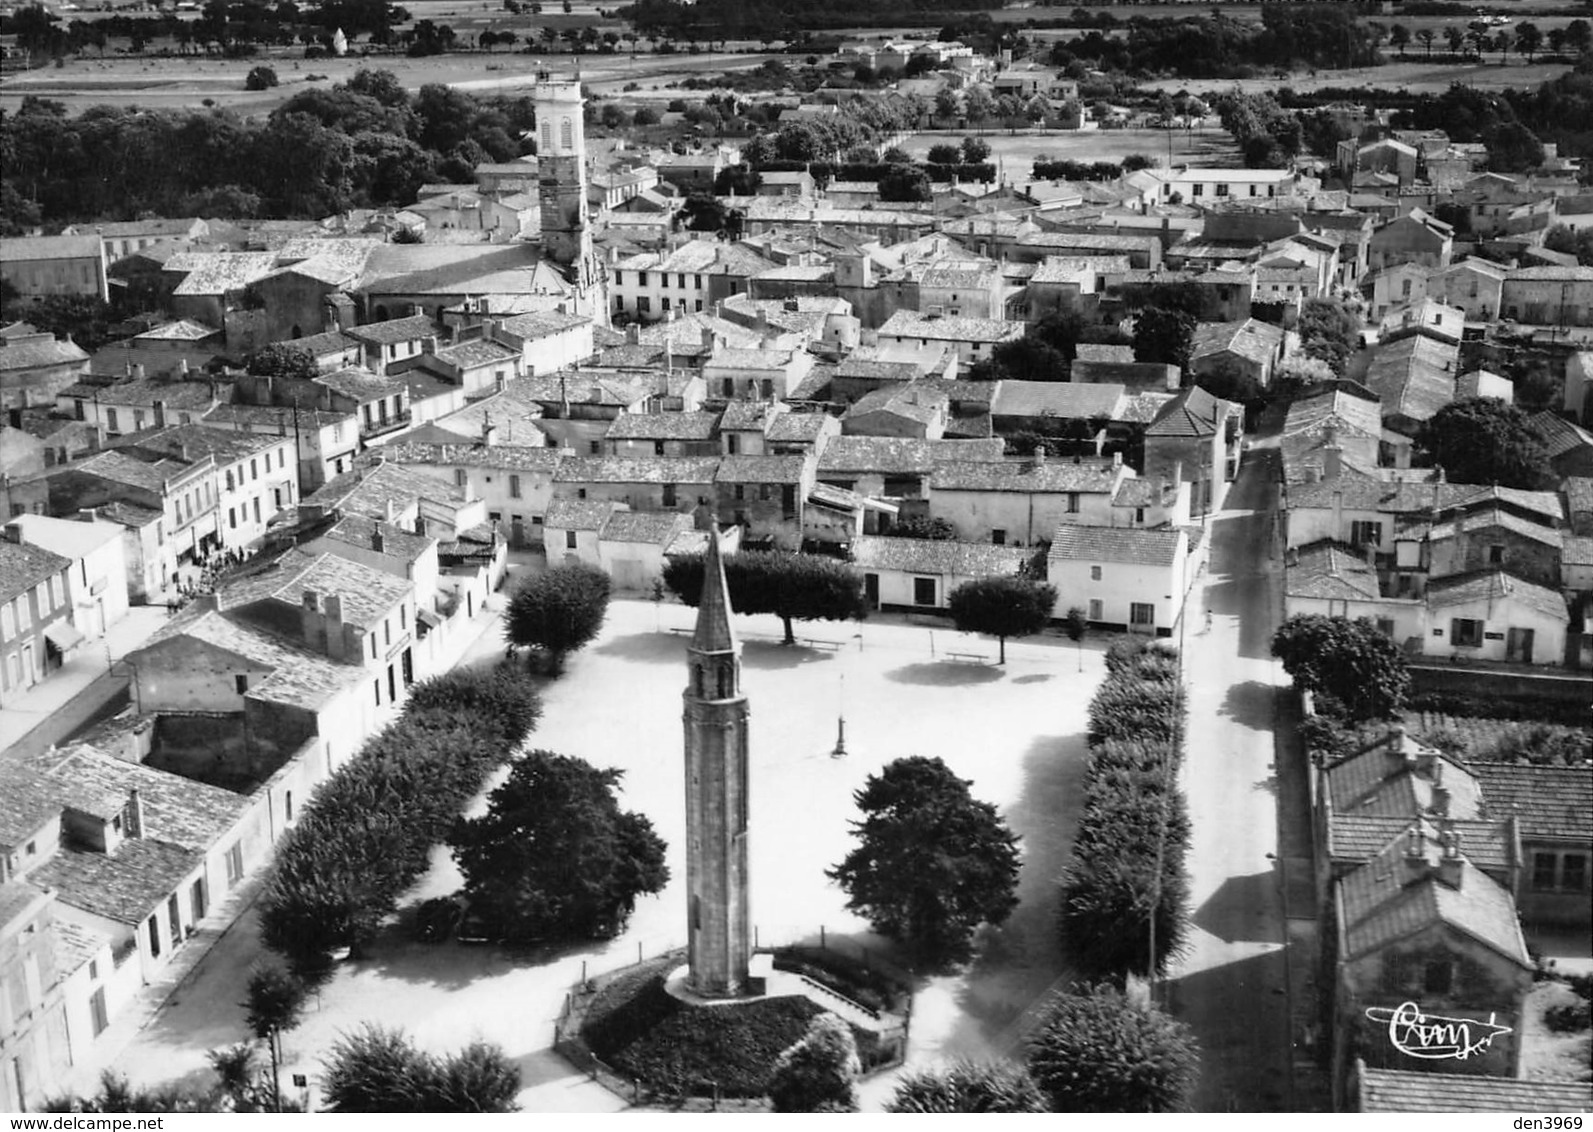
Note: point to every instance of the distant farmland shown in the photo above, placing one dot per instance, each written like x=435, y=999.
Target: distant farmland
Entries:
x=1209, y=147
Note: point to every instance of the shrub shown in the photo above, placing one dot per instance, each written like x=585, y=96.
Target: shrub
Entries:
x=378, y=1070
x=966, y=1086
x=1099, y=1052
x=1569, y=1019
x=818, y=1073
x=558, y=611
x=260, y=78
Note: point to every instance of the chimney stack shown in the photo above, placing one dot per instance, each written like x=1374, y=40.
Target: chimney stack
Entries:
x=335, y=644
x=378, y=543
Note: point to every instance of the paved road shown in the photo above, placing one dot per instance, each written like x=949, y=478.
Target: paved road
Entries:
x=1229, y=986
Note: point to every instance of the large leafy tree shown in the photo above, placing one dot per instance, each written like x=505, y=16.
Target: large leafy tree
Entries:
x=966, y=1086
x=1099, y=1052
x=554, y=855
x=281, y=360
x=379, y=1070
x=793, y=587
x=1163, y=334
x=558, y=611
x=1329, y=330
x=1355, y=662
x=1002, y=606
x=1485, y=440
x=932, y=863
x=819, y=1072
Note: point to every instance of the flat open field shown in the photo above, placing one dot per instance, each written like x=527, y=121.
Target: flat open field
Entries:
x=1211, y=147
x=1413, y=74
x=174, y=83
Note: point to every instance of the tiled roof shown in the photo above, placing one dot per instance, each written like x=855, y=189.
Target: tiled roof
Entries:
x=1560, y=436
x=1142, y=408
x=275, y=416
x=1393, y=896
x=1491, y=586
x=1474, y=522
x=1327, y=571
x=394, y=330
x=1400, y=1090
x=1100, y=352
x=512, y=457
x=372, y=489
x=663, y=426
x=31, y=355
x=1578, y=492
x=1549, y=801
x=1414, y=376
x=329, y=342
x=540, y=324
x=1138, y=546
x=1140, y=492
x=1378, y=782
x=1360, y=837
x=655, y=528
x=1025, y=476
x=124, y=887
x=173, y=394
x=1066, y=399
x=1191, y=412
x=360, y=531
x=1257, y=341
x=579, y=514
x=192, y=442
x=20, y=248
x=179, y=810
x=1578, y=551
x=956, y=328
x=749, y=416
x=793, y=428
x=216, y=273
x=118, y=467
x=761, y=469
x=299, y=678
x=22, y=567
x=476, y=352
x=368, y=594
x=637, y=469
x=900, y=455
x=936, y=556
x=360, y=384
x=70, y=538
x=578, y=389
x=750, y=359
x=27, y=801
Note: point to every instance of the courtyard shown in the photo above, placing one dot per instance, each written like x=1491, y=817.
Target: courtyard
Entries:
x=1015, y=731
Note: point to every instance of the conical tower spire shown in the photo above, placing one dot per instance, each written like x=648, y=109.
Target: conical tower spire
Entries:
x=714, y=633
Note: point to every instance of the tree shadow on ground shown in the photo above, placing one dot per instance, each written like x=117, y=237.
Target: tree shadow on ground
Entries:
x=1241, y=909
x=1036, y=678
x=649, y=648
x=1022, y=957
x=945, y=674
x=1239, y=596
x=1269, y=784
x=1243, y=1030
x=1251, y=704
x=768, y=655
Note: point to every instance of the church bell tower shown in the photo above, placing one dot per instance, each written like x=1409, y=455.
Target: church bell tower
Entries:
x=719, y=940
x=562, y=189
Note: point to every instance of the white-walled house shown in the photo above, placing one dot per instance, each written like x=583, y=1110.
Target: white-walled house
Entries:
x=1122, y=577
x=99, y=566
x=909, y=573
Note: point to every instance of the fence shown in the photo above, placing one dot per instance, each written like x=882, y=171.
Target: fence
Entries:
x=568, y=1043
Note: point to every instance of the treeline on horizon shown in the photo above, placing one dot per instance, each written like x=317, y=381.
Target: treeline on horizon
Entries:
x=783, y=19
x=364, y=143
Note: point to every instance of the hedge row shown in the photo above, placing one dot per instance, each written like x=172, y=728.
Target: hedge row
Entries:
x=366, y=834
x=1133, y=811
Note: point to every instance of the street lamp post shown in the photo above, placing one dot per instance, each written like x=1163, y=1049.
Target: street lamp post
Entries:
x=840, y=721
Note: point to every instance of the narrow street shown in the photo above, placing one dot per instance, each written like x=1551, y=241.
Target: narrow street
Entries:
x=1230, y=985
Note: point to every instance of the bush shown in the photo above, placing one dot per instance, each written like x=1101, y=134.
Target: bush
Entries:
x=377, y=1070
x=647, y=1033
x=966, y=1086
x=558, y=611
x=1099, y=1052
x=367, y=832
x=1569, y=1019
x=818, y=1073
x=260, y=78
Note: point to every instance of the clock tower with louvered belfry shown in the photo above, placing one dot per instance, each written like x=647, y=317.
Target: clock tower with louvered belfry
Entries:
x=719, y=935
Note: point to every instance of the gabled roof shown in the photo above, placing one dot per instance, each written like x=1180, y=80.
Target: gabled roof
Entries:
x=1191, y=412
x=663, y=426
x=374, y=489
x=936, y=556
x=761, y=469
x=1386, y=779
x=653, y=528
x=1560, y=436
x=393, y=330
x=1094, y=477
x=33, y=354
x=637, y=469
x=890, y=455
x=1068, y=400
x=1550, y=802
x=1414, y=376
x=1257, y=341
x=22, y=567
x=1396, y=894
x=1137, y=546
x=368, y=595
x=1401, y=1090
x=579, y=514
x=1494, y=586
x=1327, y=571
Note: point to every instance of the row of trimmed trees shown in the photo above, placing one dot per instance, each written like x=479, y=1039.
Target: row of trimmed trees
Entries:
x=366, y=834
x=1125, y=891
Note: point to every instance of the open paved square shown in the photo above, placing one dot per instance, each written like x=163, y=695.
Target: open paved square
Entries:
x=1016, y=731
